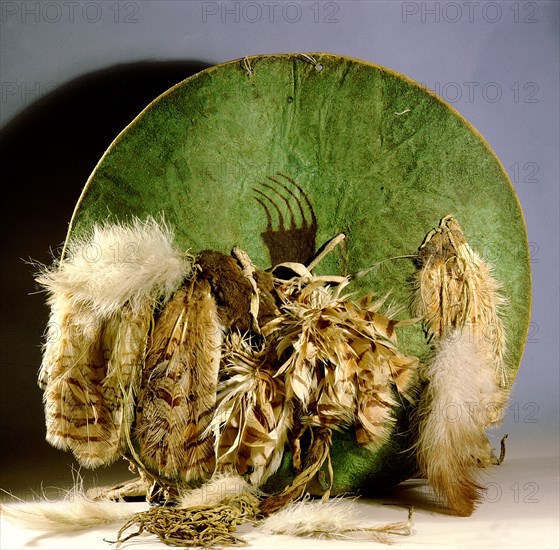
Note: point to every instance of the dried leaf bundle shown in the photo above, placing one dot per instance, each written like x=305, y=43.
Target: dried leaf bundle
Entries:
x=199, y=526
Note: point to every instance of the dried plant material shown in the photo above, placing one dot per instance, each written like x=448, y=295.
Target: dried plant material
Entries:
x=205, y=516
x=336, y=519
x=466, y=381
x=178, y=394
x=206, y=526
x=316, y=456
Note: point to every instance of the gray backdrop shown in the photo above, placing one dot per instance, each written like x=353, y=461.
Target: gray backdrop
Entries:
x=73, y=74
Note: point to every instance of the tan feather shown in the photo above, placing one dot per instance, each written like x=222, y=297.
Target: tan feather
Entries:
x=178, y=394
x=124, y=341
x=252, y=416
x=76, y=415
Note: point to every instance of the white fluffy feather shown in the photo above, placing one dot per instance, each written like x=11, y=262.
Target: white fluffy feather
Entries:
x=338, y=518
x=117, y=264
x=216, y=490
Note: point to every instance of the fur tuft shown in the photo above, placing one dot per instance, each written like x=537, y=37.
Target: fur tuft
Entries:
x=467, y=379
x=337, y=519
x=452, y=415
x=73, y=513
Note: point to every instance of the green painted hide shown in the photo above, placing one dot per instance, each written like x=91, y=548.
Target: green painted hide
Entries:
x=279, y=153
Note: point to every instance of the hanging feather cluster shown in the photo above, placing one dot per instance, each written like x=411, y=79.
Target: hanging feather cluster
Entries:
x=253, y=416
x=102, y=299
x=339, y=358
x=203, y=368
x=466, y=391
x=237, y=360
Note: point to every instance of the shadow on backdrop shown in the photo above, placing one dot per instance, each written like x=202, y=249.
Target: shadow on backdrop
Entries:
x=48, y=152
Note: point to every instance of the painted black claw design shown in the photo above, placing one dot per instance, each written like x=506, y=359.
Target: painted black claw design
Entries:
x=293, y=238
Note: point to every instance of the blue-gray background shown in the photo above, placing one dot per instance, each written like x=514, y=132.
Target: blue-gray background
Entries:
x=73, y=74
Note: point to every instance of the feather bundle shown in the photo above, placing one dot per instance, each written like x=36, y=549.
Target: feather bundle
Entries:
x=178, y=394
x=252, y=416
x=201, y=370
x=459, y=300
x=340, y=358
x=102, y=297
x=119, y=264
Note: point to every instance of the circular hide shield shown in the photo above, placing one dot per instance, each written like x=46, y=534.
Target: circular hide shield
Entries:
x=277, y=154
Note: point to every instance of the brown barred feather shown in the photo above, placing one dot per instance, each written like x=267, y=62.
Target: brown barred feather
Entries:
x=178, y=393
x=77, y=417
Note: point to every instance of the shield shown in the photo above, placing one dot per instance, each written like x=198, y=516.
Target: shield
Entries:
x=277, y=154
